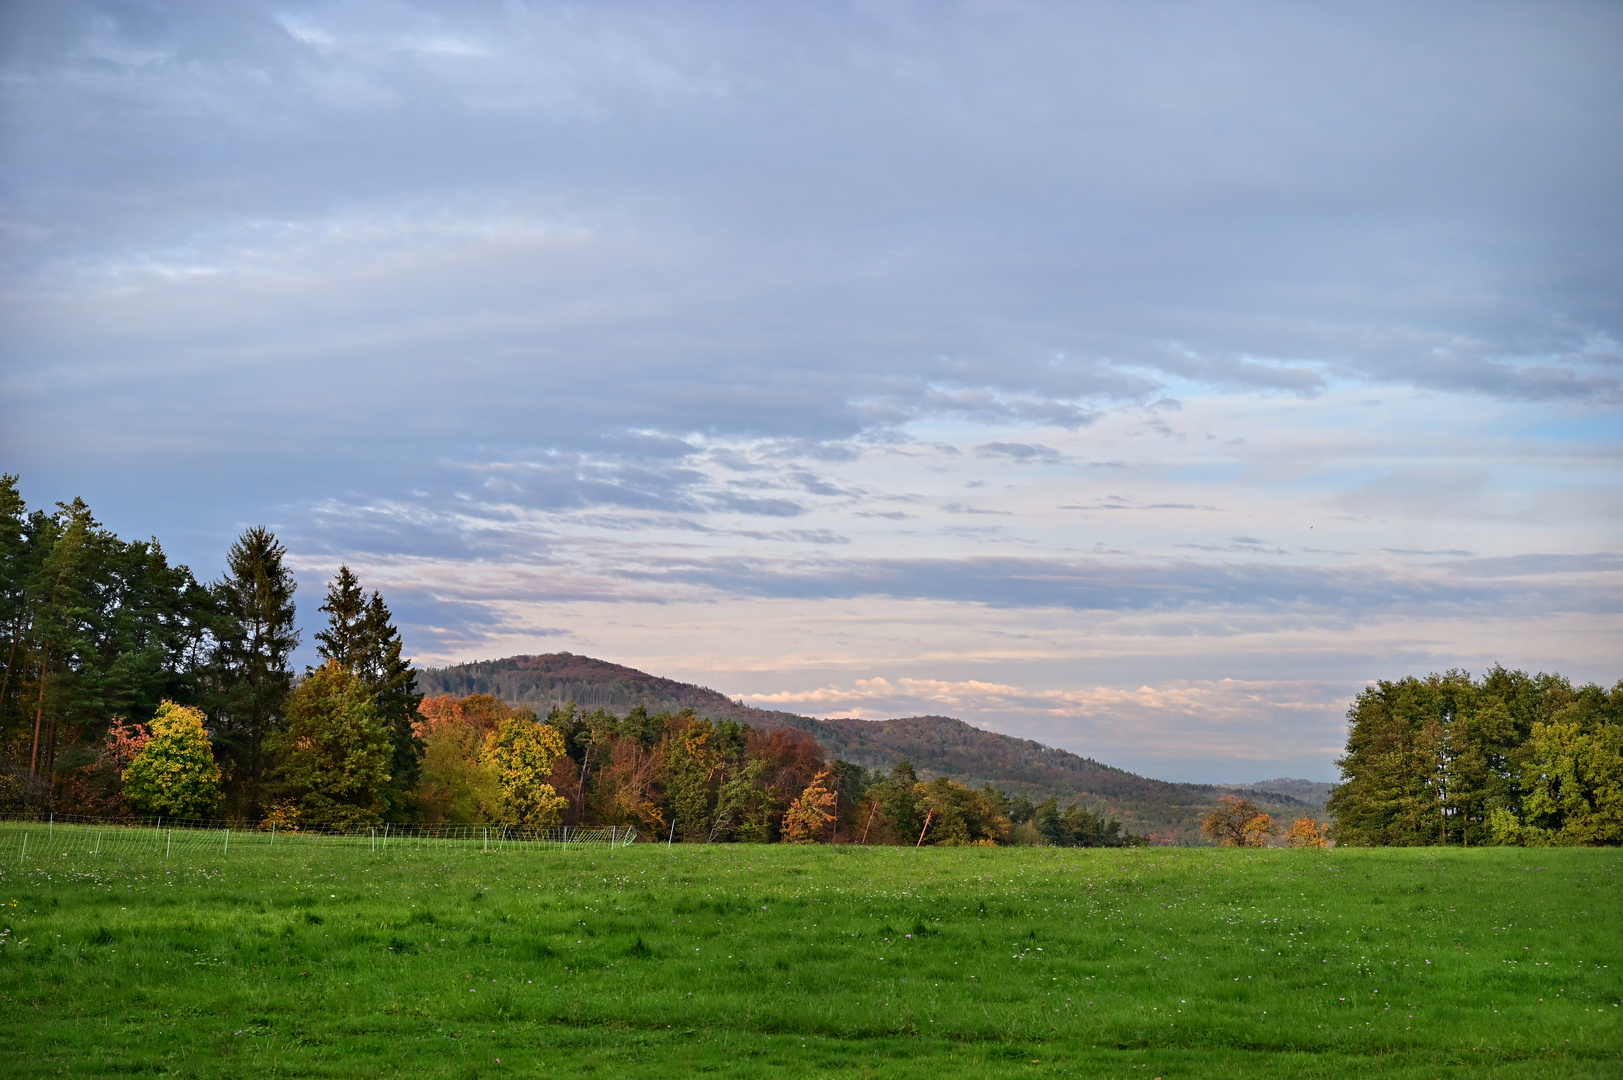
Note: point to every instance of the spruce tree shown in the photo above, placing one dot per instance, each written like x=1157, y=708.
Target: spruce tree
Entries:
x=361, y=637
x=249, y=674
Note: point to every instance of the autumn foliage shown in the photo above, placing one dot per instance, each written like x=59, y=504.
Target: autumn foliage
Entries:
x=1306, y=832
x=1236, y=822
x=173, y=773
x=808, y=819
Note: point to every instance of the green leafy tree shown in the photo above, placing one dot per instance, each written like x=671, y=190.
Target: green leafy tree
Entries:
x=691, y=765
x=1573, y=775
x=249, y=674
x=1390, y=792
x=956, y=815
x=98, y=628
x=744, y=807
x=360, y=635
x=455, y=783
x=174, y=774
x=1509, y=758
x=333, y=755
x=522, y=753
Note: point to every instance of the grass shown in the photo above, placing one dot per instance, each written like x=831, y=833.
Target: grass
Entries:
x=318, y=958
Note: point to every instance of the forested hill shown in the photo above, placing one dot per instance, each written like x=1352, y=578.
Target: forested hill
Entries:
x=936, y=745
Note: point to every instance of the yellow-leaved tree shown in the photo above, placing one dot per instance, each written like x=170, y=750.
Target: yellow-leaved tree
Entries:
x=174, y=773
x=522, y=752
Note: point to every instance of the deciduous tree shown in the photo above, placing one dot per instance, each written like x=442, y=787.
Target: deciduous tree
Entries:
x=333, y=754
x=1236, y=822
x=173, y=773
x=522, y=753
x=808, y=819
x=1306, y=832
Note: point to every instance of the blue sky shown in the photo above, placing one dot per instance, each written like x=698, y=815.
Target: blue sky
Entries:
x=1140, y=378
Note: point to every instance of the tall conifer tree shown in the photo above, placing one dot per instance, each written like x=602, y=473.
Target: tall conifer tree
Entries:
x=250, y=672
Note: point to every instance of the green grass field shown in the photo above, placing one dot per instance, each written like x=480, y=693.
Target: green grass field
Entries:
x=321, y=958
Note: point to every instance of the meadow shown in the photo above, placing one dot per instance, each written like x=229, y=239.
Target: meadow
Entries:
x=123, y=956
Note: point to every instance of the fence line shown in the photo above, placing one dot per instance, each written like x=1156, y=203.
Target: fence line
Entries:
x=31, y=839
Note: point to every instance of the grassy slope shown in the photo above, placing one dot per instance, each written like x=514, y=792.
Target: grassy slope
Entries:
x=313, y=958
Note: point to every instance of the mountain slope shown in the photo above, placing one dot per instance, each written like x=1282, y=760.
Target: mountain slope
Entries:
x=936, y=745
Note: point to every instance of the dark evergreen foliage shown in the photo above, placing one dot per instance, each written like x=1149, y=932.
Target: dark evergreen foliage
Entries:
x=250, y=671
x=93, y=628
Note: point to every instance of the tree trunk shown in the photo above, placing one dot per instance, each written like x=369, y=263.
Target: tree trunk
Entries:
x=39, y=712
x=5, y=681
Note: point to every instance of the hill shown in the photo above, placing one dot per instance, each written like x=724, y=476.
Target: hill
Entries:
x=936, y=745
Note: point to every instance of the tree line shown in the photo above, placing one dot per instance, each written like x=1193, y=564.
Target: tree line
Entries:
x=679, y=776
x=116, y=658
x=1509, y=758
x=131, y=688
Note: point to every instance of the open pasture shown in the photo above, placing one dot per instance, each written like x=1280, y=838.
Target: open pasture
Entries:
x=336, y=958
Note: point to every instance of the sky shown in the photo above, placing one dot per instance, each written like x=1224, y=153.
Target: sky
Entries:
x=1141, y=378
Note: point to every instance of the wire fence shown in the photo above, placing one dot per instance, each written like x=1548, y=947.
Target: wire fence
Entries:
x=30, y=839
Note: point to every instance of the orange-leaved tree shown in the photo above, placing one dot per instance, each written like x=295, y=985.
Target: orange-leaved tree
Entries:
x=1236, y=822
x=1306, y=832
x=808, y=817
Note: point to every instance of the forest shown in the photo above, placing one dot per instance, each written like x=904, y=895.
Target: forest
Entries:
x=131, y=689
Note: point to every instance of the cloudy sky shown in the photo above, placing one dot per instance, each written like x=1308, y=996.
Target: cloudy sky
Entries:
x=1142, y=378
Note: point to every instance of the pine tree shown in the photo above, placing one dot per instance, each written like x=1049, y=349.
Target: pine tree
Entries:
x=345, y=638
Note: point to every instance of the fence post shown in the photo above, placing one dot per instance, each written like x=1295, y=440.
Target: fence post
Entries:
x=671, y=837
x=227, y=840
x=169, y=843
x=24, y=855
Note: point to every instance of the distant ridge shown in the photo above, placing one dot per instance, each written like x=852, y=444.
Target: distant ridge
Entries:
x=936, y=745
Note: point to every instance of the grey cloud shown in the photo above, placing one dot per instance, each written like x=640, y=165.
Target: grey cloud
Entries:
x=1115, y=585
x=805, y=536
x=1020, y=452
x=744, y=504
